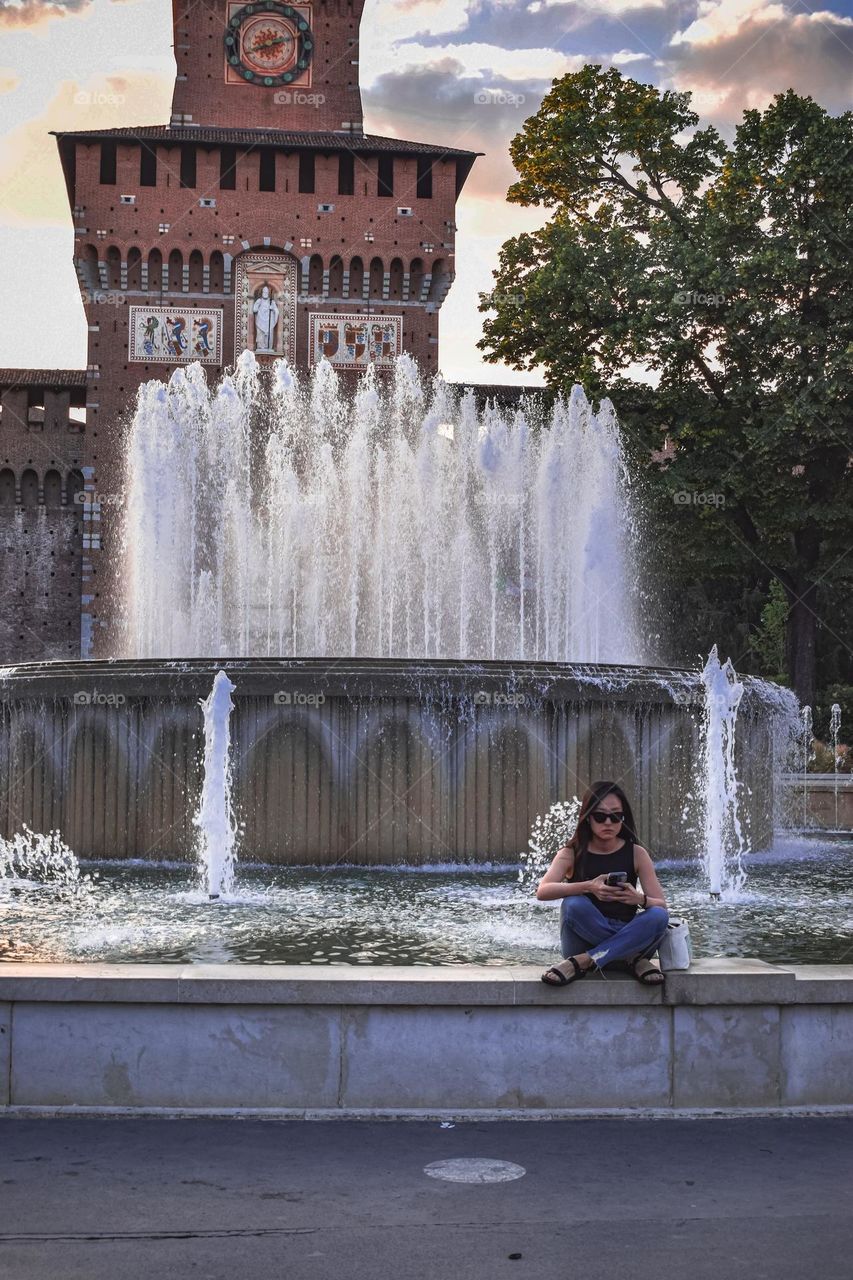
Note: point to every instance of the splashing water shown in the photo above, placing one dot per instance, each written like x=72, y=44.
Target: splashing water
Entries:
x=215, y=818
x=808, y=755
x=44, y=859
x=547, y=835
x=283, y=517
x=724, y=844
x=834, y=728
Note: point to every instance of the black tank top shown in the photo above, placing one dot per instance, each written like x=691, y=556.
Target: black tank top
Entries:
x=589, y=865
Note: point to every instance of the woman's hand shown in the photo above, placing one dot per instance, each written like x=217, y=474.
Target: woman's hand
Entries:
x=607, y=892
x=615, y=893
x=634, y=897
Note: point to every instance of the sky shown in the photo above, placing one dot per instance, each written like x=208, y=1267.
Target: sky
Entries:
x=462, y=73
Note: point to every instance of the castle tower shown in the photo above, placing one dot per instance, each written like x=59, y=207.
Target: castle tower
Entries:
x=261, y=217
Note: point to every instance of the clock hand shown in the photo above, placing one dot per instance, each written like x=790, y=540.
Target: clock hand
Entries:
x=270, y=43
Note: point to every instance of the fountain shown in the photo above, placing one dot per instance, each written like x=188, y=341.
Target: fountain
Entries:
x=834, y=727
x=724, y=845
x=808, y=754
x=215, y=818
x=430, y=624
x=282, y=521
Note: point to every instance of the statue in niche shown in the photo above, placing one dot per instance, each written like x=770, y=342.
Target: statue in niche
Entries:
x=266, y=315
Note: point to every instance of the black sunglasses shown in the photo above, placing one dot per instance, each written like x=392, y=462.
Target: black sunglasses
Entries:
x=601, y=815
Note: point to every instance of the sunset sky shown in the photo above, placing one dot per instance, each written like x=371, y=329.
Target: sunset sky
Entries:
x=77, y=64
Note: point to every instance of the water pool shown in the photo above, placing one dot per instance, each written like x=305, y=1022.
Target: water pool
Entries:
x=797, y=907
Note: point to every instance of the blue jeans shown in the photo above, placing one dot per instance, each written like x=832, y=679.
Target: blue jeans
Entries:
x=585, y=928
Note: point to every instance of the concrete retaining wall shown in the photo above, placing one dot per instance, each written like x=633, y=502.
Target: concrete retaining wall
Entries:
x=821, y=791
x=729, y=1035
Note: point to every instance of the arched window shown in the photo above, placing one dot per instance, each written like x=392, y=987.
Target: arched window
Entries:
x=376, y=278
x=74, y=484
x=155, y=270
x=440, y=281
x=29, y=489
x=114, y=267
x=90, y=267
x=176, y=271
x=416, y=278
x=196, y=271
x=315, y=276
x=396, y=282
x=134, y=268
x=52, y=489
x=217, y=272
x=7, y=489
x=336, y=277
x=356, y=278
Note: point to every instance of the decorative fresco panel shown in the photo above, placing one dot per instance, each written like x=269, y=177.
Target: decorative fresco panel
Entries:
x=171, y=335
x=355, y=341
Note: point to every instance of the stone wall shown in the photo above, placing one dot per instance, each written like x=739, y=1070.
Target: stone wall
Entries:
x=364, y=761
x=43, y=525
x=728, y=1036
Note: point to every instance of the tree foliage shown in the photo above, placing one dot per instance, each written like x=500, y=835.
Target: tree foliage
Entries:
x=706, y=288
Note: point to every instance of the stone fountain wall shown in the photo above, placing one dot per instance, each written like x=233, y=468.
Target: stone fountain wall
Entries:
x=359, y=761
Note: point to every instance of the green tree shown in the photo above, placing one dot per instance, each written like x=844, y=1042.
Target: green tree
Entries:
x=720, y=274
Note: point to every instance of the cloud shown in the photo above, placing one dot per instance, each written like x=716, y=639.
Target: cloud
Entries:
x=446, y=103
x=29, y=13
x=739, y=53
x=32, y=189
x=568, y=25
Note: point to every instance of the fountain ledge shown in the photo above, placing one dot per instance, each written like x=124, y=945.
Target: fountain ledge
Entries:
x=730, y=1035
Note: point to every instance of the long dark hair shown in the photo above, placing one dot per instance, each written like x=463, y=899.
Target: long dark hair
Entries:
x=592, y=798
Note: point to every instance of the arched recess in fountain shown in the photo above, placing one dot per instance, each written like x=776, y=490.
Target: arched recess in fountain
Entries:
x=99, y=768
x=498, y=786
x=31, y=762
x=396, y=793
x=161, y=743
x=284, y=771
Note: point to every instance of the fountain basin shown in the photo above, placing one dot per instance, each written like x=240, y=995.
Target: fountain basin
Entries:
x=727, y=1037
x=362, y=761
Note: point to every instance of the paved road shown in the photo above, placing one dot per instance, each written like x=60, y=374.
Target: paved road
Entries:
x=90, y=1199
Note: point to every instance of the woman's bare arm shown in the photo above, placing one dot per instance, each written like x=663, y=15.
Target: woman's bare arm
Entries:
x=648, y=878
x=553, y=883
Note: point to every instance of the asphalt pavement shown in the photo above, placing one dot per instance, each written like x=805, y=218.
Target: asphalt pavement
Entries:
x=123, y=1199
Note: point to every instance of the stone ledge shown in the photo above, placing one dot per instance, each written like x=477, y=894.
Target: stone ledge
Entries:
x=718, y=981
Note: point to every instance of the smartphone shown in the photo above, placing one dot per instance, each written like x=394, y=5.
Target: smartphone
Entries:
x=615, y=878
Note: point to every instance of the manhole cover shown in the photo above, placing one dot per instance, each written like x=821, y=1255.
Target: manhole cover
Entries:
x=474, y=1170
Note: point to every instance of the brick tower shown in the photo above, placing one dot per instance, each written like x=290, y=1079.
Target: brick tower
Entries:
x=261, y=217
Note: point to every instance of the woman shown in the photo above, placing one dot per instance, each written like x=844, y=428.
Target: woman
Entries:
x=600, y=923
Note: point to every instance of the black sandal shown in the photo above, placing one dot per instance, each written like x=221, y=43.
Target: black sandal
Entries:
x=562, y=979
x=650, y=977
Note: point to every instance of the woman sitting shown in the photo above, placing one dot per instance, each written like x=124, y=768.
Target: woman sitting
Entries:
x=600, y=923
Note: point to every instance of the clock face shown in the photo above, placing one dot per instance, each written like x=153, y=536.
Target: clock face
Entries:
x=268, y=44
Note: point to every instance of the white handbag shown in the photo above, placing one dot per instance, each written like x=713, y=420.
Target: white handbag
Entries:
x=675, y=950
